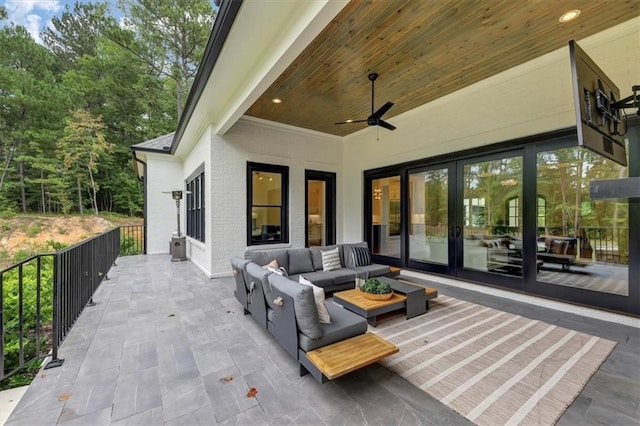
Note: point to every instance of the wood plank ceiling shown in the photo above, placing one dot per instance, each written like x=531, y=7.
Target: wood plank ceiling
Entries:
x=423, y=50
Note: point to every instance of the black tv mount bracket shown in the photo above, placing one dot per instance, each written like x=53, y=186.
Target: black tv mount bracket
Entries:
x=632, y=101
x=610, y=108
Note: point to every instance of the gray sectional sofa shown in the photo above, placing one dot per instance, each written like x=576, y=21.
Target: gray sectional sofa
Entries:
x=287, y=309
x=308, y=262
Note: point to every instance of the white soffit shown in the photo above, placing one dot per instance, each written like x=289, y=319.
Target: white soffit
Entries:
x=265, y=38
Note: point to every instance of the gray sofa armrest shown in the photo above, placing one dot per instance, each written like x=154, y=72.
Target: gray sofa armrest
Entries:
x=285, y=329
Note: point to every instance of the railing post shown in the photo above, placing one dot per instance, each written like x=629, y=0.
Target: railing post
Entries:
x=55, y=361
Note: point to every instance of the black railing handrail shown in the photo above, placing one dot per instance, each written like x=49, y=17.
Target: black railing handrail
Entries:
x=27, y=260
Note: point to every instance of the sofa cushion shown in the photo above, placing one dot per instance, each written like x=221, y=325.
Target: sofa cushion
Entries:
x=316, y=255
x=300, y=261
x=319, y=278
x=263, y=257
x=341, y=276
x=318, y=295
x=304, y=305
x=373, y=270
x=331, y=260
x=344, y=325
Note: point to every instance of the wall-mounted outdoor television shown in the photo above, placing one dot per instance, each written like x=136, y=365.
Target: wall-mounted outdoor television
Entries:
x=598, y=124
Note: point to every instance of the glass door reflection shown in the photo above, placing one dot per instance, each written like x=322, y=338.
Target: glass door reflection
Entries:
x=491, y=216
x=429, y=215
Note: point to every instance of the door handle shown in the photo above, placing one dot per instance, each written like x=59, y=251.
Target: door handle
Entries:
x=452, y=231
x=458, y=231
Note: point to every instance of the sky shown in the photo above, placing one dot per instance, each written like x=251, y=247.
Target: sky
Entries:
x=35, y=15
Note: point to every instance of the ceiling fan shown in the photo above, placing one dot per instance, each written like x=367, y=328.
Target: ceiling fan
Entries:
x=375, y=119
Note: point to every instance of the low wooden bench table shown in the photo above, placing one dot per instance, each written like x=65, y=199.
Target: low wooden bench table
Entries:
x=413, y=299
x=349, y=355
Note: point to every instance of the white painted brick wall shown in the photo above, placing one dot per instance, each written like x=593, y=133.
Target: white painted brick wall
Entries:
x=164, y=173
x=261, y=142
x=198, y=252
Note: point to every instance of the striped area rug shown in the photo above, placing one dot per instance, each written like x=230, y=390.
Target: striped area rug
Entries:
x=493, y=367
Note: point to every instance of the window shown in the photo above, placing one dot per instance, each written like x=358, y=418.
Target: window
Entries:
x=195, y=204
x=267, y=204
x=513, y=211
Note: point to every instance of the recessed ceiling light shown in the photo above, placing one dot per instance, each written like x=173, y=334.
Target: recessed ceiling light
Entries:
x=276, y=100
x=569, y=16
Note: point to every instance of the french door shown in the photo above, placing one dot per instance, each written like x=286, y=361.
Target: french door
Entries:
x=462, y=218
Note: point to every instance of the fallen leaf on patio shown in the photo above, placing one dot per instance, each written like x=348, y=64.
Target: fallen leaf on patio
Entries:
x=426, y=341
x=64, y=396
x=172, y=315
x=227, y=379
x=252, y=393
x=43, y=375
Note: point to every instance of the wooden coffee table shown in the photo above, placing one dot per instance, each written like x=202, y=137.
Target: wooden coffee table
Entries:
x=411, y=298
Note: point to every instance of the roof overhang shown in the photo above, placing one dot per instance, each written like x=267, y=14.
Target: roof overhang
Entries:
x=252, y=43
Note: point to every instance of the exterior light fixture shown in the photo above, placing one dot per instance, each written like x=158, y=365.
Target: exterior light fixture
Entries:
x=569, y=16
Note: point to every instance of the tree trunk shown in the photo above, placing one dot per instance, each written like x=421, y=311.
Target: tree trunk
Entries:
x=23, y=192
x=6, y=166
x=42, y=190
x=179, y=97
x=79, y=196
x=93, y=189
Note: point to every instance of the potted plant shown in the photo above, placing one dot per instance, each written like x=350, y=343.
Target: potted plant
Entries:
x=375, y=289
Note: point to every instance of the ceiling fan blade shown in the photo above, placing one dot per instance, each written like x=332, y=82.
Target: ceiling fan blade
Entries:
x=384, y=108
x=386, y=125
x=351, y=121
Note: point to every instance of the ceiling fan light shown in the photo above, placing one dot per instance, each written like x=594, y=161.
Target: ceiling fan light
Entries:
x=348, y=121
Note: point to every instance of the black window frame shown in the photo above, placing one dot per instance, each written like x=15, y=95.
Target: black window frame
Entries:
x=195, y=207
x=284, y=205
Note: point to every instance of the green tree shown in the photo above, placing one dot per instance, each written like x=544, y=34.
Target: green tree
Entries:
x=33, y=108
x=169, y=36
x=81, y=148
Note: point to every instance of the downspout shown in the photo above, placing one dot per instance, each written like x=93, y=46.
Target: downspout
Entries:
x=143, y=178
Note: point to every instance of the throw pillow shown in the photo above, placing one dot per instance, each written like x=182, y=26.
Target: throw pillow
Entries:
x=318, y=295
x=330, y=260
x=361, y=256
x=274, y=267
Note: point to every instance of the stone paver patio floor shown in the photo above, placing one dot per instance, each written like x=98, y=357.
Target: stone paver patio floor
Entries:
x=157, y=347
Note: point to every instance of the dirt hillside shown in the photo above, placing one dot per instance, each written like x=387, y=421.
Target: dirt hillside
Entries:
x=30, y=234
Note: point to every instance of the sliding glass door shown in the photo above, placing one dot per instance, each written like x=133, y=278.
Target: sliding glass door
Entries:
x=489, y=217
x=430, y=218
x=518, y=217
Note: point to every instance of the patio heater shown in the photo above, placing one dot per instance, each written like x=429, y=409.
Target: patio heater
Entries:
x=178, y=247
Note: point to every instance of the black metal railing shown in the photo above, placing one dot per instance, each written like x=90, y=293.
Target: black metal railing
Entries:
x=132, y=240
x=42, y=296
x=79, y=270
x=26, y=308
